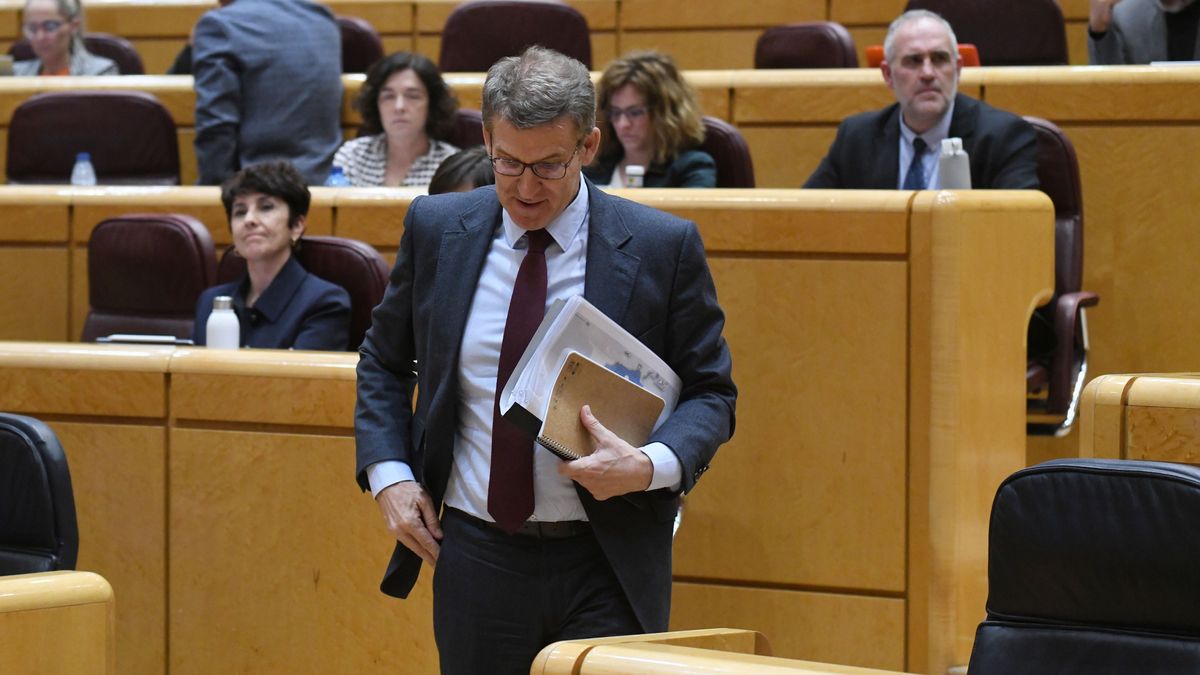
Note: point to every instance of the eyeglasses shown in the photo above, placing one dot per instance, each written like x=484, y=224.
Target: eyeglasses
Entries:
x=634, y=113
x=49, y=26
x=545, y=170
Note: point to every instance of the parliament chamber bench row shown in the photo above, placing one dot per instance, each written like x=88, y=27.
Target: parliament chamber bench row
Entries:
x=710, y=34
x=879, y=347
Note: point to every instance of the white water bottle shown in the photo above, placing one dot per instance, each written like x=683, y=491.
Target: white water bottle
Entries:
x=337, y=178
x=954, y=167
x=634, y=175
x=83, y=173
x=222, y=330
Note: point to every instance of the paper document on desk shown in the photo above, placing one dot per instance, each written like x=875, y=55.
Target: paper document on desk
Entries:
x=576, y=325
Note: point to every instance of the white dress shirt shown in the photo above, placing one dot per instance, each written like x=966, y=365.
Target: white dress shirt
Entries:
x=555, y=498
x=933, y=141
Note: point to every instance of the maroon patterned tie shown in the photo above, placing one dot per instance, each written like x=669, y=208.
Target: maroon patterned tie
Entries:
x=510, y=485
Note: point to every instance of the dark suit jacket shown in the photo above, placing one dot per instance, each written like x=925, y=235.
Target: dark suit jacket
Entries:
x=268, y=79
x=690, y=169
x=866, y=153
x=299, y=310
x=1137, y=35
x=645, y=269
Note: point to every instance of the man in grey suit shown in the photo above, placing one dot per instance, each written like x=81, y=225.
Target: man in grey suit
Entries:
x=268, y=87
x=589, y=553
x=1142, y=31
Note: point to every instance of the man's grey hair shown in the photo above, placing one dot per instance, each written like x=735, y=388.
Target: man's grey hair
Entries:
x=889, y=42
x=537, y=88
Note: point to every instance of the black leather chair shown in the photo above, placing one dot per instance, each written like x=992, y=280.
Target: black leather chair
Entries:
x=114, y=47
x=481, y=32
x=1057, y=341
x=130, y=135
x=354, y=265
x=1092, y=568
x=814, y=44
x=722, y=140
x=1010, y=33
x=38, y=532
x=145, y=273
x=361, y=45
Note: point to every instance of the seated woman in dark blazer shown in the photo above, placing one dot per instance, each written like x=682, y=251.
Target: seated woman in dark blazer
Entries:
x=649, y=117
x=279, y=304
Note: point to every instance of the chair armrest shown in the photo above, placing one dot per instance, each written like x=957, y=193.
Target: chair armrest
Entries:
x=1066, y=320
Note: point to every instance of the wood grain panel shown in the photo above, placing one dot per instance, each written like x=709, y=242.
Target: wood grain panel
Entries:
x=844, y=629
x=867, y=36
x=35, y=215
x=1162, y=434
x=266, y=400
x=784, y=157
x=832, y=474
x=638, y=14
x=374, y=215
x=699, y=48
x=34, y=304
x=1077, y=54
x=288, y=581
x=79, y=303
x=82, y=392
x=158, y=53
x=67, y=639
x=1130, y=93
x=200, y=202
x=387, y=16
x=118, y=475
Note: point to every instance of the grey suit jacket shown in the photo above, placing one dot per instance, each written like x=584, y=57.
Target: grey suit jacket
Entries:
x=268, y=87
x=645, y=269
x=1137, y=35
x=865, y=155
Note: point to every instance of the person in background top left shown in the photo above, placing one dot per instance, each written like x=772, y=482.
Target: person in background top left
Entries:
x=55, y=31
x=280, y=305
x=407, y=112
x=268, y=79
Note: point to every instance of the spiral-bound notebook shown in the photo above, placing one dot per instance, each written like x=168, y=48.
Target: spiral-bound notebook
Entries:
x=627, y=409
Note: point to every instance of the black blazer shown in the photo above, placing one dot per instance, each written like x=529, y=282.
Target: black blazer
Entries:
x=690, y=169
x=865, y=155
x=645, y=269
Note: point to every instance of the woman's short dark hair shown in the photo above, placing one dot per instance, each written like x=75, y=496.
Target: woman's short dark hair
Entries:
x=442, y=102
x=471, y=166
x=276, y=179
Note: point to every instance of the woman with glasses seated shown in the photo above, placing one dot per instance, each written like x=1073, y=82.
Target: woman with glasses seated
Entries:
x=279, y=304
x=55, y=32
x=649, y=118
x=407, y=109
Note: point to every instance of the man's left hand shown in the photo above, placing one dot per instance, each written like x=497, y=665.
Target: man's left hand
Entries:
x=614, y=468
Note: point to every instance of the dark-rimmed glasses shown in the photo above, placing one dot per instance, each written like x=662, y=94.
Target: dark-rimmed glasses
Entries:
x=544, y=170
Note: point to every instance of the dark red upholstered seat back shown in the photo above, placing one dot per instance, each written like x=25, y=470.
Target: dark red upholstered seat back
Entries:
x=361, y=45
x=145, y=272
x=479, y=33
x=130, y=135
x=722, y=140
x=354, y=265
x=1009, y=33
x=815, y=44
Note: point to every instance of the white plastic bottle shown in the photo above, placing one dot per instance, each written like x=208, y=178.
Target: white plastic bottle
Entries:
x=337, y=178
x=83, y=173
x=954, y=167
x=222, y=330
x=634, y=175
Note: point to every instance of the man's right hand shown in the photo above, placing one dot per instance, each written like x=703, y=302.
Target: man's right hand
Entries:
x=410, y=517
x=1100, y=15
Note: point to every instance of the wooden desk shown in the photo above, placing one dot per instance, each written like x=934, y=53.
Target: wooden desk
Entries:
x=56, y=622
x=878, y=347
x=1152, y=416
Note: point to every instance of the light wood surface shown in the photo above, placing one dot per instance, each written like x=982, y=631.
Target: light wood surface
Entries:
x=56, y=622
x=1150, y=417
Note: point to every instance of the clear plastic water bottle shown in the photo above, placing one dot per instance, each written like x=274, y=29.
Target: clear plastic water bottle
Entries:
x=222, y=330
x=634, y=175
x=83, y=173
x=337, y=178
x=954, y=167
